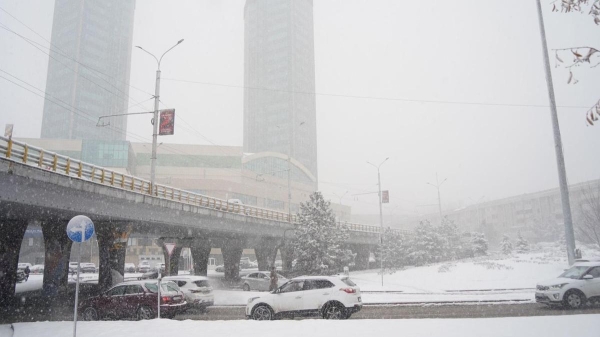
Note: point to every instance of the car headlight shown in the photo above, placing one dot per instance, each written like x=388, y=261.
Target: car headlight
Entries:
x=251, y=299
x=558, y=286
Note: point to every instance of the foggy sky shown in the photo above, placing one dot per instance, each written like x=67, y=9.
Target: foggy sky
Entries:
x=472, y=52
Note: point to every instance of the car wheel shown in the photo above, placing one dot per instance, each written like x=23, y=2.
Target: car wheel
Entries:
x=145, y=312
x=246, y=287
x=262, y=312
x=574, y=299
x=90, y=314
x=334, y=311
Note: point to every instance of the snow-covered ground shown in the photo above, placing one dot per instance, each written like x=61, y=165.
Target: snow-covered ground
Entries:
x=548, y=326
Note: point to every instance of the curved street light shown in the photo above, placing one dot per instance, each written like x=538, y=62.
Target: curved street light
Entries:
x=380, y=213
x=155, y=118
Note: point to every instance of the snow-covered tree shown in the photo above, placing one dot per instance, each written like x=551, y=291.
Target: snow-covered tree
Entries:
x=394, y=250
x=506, y=244
x=522, y=245
x=450, y=238
x=426, y=245
x=318, y=246
x=479, y=244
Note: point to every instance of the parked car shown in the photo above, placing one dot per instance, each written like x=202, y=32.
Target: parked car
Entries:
x=198, y=292
x=246, y=263
x=134, y=299
x=144, y=267
x=23, y=265
x=21, y=277
x=37, y=269
x=220, y=269
x=129, y=268
x=87, y=267
x=260, y=281
x=151, y=275
x=573, y=288
x=331, y=297
x=72, y=267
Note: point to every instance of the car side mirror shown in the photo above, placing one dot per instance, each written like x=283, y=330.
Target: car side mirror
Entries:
x=588, y=277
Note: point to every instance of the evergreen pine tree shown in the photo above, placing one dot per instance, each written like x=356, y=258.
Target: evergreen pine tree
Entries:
x=506, y=245
x=450, y=238
x=426, y=245
x=522, y=244
x=318, y=246
x=479, y=244
x=394, y=250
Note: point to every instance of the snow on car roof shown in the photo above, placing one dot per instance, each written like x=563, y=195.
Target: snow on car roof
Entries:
x=186, y=277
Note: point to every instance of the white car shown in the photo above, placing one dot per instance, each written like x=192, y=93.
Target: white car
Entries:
x=198, y=292
x=129, y=267
x=144, y=267
x=573, y=288
x=23, y=265
x=261, y=281
x=331, y=297
x=37, y=269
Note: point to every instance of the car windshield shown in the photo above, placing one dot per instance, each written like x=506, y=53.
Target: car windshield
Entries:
x=574, y=272
x=348, y=282
x=201, y=283
x=166, y=287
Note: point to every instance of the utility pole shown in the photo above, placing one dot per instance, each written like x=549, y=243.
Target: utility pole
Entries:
x=437, y=186
x=380, y=214
x=560, y=160
x=155, y=118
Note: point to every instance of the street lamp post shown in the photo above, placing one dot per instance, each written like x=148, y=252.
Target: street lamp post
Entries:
x=380, y=214
x=155, y=118
x=437, y=186
x=558, y=148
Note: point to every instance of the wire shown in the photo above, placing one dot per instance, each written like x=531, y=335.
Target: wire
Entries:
x=375, y=97
x=57, y=48
x=32, y=43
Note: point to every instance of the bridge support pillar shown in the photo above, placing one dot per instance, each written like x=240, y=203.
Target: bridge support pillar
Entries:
x=172, y=262
x=232, y=253
x=200, y=253
x=287, y=257
x=57, y=252
x=112, y=246
x=265, y=252
x=11, y=236
x=361, y=261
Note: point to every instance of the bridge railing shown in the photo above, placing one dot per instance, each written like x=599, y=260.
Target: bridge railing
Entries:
x=64, y=165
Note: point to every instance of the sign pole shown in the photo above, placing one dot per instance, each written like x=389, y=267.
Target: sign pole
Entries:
x=77, y=288
x=79, y=229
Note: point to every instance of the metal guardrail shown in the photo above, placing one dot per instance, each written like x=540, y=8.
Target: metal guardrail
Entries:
x=57, y=163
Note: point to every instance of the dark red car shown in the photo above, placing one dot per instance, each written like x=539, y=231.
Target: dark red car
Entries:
x=134, y=299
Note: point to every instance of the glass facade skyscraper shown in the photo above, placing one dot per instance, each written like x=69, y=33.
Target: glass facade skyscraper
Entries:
x=279, y=76
x=88, y=69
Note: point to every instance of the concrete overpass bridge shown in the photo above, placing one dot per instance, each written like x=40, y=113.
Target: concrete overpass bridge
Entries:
x=48, y=188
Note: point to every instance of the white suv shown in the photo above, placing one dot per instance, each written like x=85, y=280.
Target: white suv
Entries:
x=198, y=293
x=331, y=297
x=573, y=288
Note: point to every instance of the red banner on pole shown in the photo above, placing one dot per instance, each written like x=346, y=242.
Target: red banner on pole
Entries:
x=385, y=197
x=167, y=122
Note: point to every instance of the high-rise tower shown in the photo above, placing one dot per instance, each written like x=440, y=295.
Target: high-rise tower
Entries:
x=88, y=69
x=279, y=76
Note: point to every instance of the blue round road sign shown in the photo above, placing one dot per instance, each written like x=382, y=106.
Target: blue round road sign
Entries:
x=80, y=228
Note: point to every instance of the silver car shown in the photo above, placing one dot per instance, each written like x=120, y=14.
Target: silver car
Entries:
x=198, y=292
x=260, y=281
